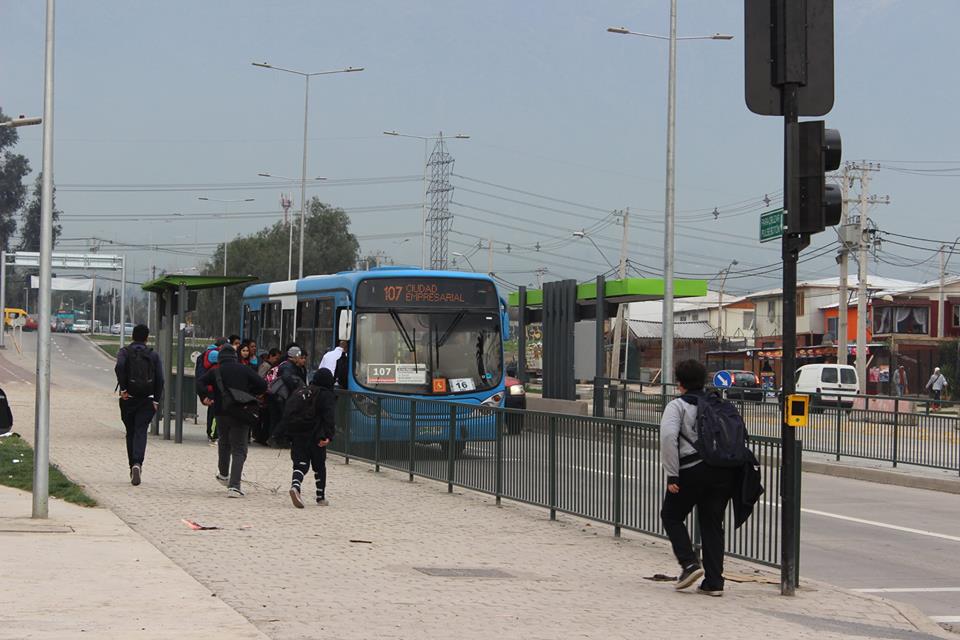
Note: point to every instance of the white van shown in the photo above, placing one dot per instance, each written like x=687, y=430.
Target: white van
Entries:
x=831, y=385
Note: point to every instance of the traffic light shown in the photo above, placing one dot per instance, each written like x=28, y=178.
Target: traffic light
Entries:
x=819, y=202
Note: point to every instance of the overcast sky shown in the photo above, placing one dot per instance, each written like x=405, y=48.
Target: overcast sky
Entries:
x=157, y=104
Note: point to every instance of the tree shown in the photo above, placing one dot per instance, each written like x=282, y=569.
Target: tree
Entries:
x=30, y=220
x=329, y=247
x=14, y=167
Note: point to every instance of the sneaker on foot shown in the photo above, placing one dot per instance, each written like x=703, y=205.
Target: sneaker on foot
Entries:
x=235, y=492
x=222, y=479
x=688, y=576
x=322, y=502
x=703, y=589
x=213, y=442
x=135, y=475
x=295, y=498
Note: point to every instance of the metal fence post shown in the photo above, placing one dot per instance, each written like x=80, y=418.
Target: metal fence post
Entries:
x=413, y=434
x=598, y=396
x=378, y=427
x=839, y=415
x=617, y=478
x=553, y=467
x=498, y=486
x=451, y=446
x=896, y=429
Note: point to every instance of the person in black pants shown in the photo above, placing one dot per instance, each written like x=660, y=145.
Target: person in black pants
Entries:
x=692, y=483
x=140, y=381
x=309, y=438
x=233, y=433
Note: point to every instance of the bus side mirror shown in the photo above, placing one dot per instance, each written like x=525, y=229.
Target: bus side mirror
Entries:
x=344, y=322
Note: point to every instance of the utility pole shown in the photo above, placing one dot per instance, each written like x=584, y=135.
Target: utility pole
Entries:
x=864, y=168
x=844, y=258
x=621, y=274
x=723, y=284
x=943, y=277
x=540, y=272
x=490, y=256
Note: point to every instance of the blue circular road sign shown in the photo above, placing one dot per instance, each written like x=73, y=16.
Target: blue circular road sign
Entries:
x=722, y=379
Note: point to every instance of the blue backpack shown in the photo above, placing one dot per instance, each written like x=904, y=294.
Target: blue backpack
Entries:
x=721, y=433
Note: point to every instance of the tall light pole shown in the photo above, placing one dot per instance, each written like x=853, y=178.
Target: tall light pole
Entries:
x=289, y=222
x=226, y=243
x=666, y=362
x=306, y=107
x=423, y=211
x=41, y=443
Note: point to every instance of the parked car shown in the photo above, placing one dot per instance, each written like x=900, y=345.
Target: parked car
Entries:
x=31, y=324
x=828, y=385
x=516, y=398
x=80, y=326
x=745, y=385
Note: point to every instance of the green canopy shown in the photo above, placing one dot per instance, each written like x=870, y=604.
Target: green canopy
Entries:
x=626, y=290
x=193, y=282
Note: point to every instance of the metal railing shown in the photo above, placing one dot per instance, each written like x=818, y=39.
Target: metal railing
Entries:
x=900, y=430
x=602, y=469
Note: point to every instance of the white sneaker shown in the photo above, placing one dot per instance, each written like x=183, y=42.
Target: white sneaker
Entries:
x=223, y=479
x=234, y=492
x=322, y=502
x=295, y=498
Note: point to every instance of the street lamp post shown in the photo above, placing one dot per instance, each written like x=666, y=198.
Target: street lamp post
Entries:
x=226, y=243
x=459, y=254
x=306, y=106
x=666, y=363
x=289, y=223
x=423, y=208
x=723, y=283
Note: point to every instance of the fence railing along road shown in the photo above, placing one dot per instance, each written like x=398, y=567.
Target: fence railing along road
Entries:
x=603, y=469
x=899, y=430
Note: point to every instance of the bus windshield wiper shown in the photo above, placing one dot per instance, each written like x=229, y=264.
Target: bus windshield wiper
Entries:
x=442, y=340
x=411, y=345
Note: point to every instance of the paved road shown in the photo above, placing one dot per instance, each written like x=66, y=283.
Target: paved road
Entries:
x=855, y=534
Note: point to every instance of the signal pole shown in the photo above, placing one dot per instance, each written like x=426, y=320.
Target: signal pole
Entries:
x=864, y=168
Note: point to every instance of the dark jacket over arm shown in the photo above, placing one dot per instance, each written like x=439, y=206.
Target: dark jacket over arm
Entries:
x=235, y=376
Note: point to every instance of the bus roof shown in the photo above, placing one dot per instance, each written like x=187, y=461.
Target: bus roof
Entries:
x=349, y=279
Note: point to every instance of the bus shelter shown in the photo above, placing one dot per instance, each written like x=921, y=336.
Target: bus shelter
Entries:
x=559, y=305
x=175, y=296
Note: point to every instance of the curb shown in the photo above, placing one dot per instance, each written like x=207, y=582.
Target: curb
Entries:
x=882, y=476
x=100, y=349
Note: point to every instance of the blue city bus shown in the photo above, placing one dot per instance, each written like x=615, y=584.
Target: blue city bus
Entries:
x=431, y=336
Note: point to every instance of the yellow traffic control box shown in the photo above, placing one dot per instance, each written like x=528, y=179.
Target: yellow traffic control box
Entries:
x=798, y=408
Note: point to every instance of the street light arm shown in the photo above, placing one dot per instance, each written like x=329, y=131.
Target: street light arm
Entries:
x=627, y=32
x=265, y=65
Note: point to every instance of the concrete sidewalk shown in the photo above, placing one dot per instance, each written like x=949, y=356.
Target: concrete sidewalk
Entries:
x=365, y=567
x=84, y=571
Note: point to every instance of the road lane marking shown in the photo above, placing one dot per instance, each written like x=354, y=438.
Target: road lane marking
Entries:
x=945, y=618
x=911, y=590
x=882, y=525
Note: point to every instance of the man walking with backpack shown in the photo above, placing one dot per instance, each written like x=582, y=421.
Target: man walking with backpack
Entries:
x=140, y=381
x=702, y=447
x=309, y=422
x=235, y=387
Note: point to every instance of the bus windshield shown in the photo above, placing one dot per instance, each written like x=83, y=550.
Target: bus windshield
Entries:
x=428, y=352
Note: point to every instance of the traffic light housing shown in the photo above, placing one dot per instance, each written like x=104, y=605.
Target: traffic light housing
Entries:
x=819, y=203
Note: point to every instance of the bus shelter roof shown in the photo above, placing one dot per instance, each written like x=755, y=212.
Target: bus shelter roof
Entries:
x=621, y=291
x=194, y=282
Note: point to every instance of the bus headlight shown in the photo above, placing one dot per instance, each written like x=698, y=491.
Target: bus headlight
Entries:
x=493, y=401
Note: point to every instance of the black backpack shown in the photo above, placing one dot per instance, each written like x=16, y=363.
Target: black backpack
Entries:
x=141, y=372
x=721, y=434
x=300, y=411
x=237, y=403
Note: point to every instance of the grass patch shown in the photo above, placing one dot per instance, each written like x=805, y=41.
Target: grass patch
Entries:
x=19, y=474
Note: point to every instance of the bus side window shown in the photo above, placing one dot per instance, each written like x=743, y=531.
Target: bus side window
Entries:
x=324, y=339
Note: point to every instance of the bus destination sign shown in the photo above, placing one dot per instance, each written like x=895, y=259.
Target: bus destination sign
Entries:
x=426, y=293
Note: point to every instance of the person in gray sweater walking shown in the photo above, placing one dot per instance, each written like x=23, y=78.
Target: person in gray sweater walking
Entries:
x=691, y=482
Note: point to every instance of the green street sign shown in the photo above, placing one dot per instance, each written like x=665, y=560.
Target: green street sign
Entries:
x=771, y=225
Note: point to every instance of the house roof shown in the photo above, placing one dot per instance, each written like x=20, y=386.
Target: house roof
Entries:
x=653, y=309
x=874, y=283
x=683, y=330
x=922, y=286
